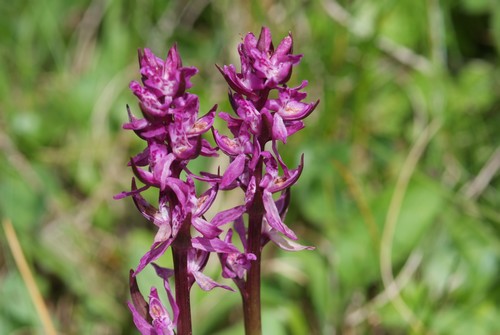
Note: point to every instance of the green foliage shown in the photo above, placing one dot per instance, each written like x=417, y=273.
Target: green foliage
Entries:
x=387, y=73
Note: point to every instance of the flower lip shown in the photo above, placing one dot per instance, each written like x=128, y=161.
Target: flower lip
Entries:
x=204, y=123
x=289, y=105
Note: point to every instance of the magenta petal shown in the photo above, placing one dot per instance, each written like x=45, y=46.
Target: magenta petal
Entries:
x=162, y=323
x=165, y=274
x=206, y=283
x=212, y=245
x=204, y=123
x=149, y=103
x=230, y=147
x=294, y=126
x=295, y=110
x=273, y=217
x=153, y=131
x=279, y=129
x=285, y=244
x=141, y=307
x=142, y=325
x=142, y=158
x=157, y=249
x=173, y=60
x=208, y=230
x=205, y=177
x=205, y=201
x=144, y=176
x=251, y=190
x=236, y=82
x=185, y=148
x=265, y=42
x=284, y=48
x=164, y=233
x=228, y=215
x=281, y=183
x=283, y=203
x=124, y=194
x=161, y=169
x=179, y=188
x=234, y=170
x=156, y=308
x=135, y=124
x=239, y=227
x=236, y=264
x=150, y=212
x=207, y=150
x=247, y=111
x=233, y=123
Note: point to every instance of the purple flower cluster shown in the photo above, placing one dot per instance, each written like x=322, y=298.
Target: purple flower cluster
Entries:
x=172, y=130
x=173, y=133
x=258, y=121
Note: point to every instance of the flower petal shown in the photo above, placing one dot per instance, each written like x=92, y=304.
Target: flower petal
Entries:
x=206, y=283
x=279, y=131
x=162, y=323
x=204, y=123
x=273, y=217
x=140, y=323
x=165, y=274
x=284, y=243
x=228, y=215
x=207, y=229
x=141, y=307
x=230, y=147
x=234, y=170
x=212, y=245
x=156, y=251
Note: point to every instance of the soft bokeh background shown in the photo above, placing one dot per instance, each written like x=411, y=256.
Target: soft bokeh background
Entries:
x=399, y=192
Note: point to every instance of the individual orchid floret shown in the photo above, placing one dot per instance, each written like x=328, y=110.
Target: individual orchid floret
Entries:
x=161, y=324
x=197, y=259
x=288, y=111
x=165, y=274
x=289, y=105
x=235, y=264
x=150, y=318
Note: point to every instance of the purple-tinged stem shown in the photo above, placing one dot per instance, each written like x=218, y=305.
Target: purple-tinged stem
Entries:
x=251, y=296
x=180, y=250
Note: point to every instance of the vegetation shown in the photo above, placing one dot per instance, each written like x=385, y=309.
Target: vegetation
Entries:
x=399, y=192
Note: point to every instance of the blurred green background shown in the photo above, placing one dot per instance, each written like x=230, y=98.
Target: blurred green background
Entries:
x=399, y=193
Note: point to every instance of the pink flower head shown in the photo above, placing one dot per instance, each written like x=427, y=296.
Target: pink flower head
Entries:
x=262, y=67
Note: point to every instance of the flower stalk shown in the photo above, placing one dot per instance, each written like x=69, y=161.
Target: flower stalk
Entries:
x=180, y=251
x=251, y=296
